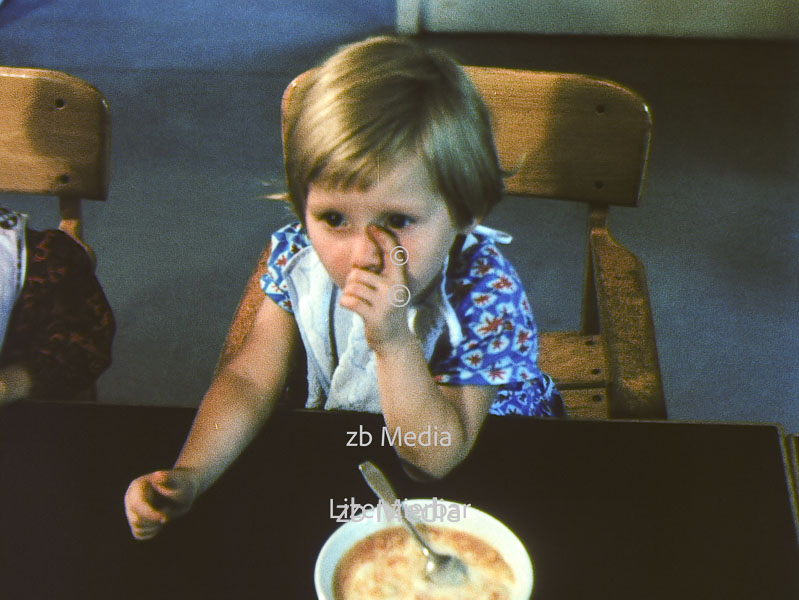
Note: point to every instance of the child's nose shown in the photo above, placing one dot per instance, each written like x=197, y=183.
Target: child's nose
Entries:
x=366, y=253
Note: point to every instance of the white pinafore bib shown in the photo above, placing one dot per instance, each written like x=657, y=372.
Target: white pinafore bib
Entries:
x=342, y=369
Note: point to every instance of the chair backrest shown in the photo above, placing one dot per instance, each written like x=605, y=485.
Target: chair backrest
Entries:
x=54, y=140
x=564, y=136
x=582, y=138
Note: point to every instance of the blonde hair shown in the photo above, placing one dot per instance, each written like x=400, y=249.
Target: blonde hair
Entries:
x=379, y=101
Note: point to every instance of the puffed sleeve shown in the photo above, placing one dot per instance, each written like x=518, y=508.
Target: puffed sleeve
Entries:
x=500, y=345
x=62, y=326
x=286, y=242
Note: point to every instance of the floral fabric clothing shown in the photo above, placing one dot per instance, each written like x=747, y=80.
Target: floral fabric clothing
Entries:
x=62, y=326
x=497, y=341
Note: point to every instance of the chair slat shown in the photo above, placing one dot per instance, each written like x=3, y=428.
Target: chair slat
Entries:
x=573, y=360
x=586, y=403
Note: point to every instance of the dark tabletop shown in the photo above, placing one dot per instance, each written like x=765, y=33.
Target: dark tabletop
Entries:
x=606, y=509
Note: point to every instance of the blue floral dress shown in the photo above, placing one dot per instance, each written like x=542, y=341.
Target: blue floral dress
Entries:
x=499, y=342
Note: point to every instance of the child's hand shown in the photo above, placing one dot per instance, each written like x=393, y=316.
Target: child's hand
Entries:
x=380, y=298
x=153, y=500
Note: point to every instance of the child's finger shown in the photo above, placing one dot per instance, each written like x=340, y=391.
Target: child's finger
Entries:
x=394, y=256
x=145, y=516
x=140, y=512
x=364, y=278
x=353, y=300
x=172, y=486
x=171, y=493
x=145, y=531
x=145, y=535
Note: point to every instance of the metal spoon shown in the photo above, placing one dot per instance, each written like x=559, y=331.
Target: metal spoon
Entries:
x=441, y=569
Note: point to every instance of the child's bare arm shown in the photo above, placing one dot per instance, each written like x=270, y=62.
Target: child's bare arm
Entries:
x=242, y=396
x=235, y=407
x=412, y=401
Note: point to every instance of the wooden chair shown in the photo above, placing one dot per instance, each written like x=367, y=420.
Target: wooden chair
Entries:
x=792, y=447
x=54, y=141
x=575, y=138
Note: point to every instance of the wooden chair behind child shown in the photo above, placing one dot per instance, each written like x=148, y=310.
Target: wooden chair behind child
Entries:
x=54, y=141
x=792, y=447
x=576, y=138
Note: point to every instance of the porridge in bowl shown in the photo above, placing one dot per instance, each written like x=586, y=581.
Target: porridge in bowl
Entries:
x=477, y=538
x=389, y=564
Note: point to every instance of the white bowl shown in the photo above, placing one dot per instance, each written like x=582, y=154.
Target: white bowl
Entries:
x=475, y=522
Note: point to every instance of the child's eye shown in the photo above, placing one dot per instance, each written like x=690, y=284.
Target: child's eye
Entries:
x=398, y=221
x=333, y=219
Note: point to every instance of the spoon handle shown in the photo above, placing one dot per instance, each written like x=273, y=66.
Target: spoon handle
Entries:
x=382, y=487
x=378, y=482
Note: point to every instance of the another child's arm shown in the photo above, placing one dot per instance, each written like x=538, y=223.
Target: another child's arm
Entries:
x=16, y=383
x=237, y=404
x=411, y=399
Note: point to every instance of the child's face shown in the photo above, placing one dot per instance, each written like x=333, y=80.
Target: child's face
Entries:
x=404, y=202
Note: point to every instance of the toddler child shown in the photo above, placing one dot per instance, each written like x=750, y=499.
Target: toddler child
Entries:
x=401, y=299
